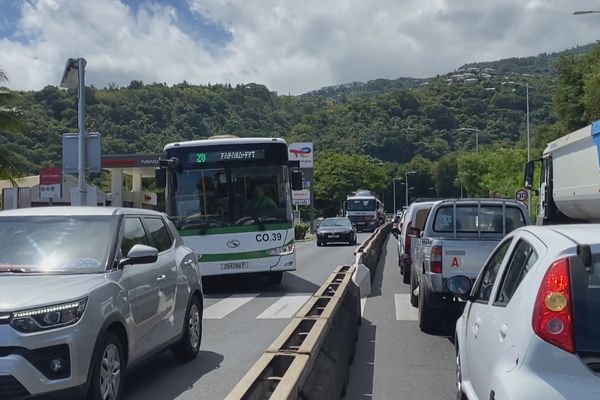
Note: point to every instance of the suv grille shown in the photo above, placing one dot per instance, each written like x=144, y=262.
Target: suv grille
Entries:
x=4, y=318
x=11, y=389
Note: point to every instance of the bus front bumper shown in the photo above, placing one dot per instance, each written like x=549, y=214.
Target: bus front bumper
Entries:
x=266, y=264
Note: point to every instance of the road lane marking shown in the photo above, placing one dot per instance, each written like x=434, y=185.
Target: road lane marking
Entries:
x=285, y=307
x=227, y=305
x=363, y=303
x=404, y=311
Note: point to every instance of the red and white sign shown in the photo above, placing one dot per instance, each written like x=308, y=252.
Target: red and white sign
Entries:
x=149, y=198
x=50, y=182
x=301, y=197
x=522, y=195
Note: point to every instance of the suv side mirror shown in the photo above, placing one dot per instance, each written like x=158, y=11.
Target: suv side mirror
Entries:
x=529, y=171
x=140, y=254
x=297, y=180
x=415, y=231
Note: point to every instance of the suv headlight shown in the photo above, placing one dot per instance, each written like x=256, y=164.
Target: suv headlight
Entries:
x=50, y=317
x=281, y=251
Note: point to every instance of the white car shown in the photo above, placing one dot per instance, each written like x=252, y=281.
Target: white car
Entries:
x=531, y=325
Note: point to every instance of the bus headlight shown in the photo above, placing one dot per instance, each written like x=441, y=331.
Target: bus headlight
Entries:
x=281, y=251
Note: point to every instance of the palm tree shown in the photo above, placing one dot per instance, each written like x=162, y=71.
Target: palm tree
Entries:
x=9, y=121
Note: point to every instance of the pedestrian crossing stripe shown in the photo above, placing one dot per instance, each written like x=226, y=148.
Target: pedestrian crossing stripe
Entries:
x=285, y=307
x=404, y=310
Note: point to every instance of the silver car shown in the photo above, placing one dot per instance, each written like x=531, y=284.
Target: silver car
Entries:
x=87, y=293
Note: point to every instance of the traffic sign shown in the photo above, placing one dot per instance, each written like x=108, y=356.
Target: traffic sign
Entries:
x=522, y=195
x=50, y=183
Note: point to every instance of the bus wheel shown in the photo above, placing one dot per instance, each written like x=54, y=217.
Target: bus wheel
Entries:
x=275, y=277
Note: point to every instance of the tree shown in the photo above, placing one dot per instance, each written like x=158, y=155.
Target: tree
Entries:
x=9, y=121
x=337, y=175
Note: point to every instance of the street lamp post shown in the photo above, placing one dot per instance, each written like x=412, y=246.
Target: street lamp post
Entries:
x=526, y=85
x=394, y=187
x=406, y=184
x=74, y=78
x=461, y=187
x=476, y=136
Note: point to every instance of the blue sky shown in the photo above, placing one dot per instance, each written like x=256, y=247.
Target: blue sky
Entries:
x=289, y=46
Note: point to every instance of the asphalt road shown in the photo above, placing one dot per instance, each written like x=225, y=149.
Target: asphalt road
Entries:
x=394, y=359
x=242, y=317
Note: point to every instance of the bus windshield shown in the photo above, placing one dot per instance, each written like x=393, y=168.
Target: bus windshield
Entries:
x=219, y=196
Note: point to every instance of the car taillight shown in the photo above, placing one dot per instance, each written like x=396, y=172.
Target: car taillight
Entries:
x=553, y=310
x=436, y=260
x=407, y=239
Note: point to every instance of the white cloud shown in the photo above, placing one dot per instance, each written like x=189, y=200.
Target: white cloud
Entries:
x=292, y=46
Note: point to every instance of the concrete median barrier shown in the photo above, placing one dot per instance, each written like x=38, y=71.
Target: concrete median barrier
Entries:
x=311, y=358
x=367, y=258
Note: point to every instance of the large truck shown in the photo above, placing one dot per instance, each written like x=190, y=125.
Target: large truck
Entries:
x=569, y=186
x=364, y=210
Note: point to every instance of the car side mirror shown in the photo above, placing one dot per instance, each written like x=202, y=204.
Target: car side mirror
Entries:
x=460, y=286
x=140, y=254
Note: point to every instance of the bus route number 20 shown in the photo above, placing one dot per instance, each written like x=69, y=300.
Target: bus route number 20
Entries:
x=268, y=237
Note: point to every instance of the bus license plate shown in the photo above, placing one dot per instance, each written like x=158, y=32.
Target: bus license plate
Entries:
x=236, y=265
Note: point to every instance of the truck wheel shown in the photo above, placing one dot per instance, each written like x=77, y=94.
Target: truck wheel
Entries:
x=414, y=300
x=406, y=274
x=429, y=316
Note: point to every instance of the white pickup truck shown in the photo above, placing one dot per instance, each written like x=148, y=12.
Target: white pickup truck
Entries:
x=458, y=237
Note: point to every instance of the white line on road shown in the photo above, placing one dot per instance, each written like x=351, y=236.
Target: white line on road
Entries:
x=227, y=306
x=285, y=307
x=404, y=311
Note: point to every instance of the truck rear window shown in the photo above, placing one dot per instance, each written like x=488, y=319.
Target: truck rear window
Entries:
x=470, y=219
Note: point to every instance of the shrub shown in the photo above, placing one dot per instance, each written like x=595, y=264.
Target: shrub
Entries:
x=300, y=229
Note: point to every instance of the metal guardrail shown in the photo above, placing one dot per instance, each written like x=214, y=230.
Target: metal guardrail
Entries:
x=311, y=358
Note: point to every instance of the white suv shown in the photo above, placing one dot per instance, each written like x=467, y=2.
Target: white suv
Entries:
x=413, y=222
x=531, y=325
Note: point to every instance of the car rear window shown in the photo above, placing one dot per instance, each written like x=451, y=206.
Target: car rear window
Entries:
x=470, y=219
x=587, y=310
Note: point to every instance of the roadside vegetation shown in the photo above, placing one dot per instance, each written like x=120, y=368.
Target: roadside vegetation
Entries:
x=365, y=134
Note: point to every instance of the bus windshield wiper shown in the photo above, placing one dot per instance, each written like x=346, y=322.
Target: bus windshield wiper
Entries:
x=14, y=269
x=260, y=222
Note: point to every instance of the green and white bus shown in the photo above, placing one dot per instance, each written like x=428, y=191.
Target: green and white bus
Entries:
x=231, y=199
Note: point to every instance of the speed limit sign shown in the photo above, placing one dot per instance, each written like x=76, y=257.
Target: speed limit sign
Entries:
x=521, y=195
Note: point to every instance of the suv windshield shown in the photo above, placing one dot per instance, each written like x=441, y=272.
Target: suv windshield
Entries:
x=54, y=244
x=361, y=205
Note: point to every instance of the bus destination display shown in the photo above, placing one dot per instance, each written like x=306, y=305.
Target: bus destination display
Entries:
x=216, y=156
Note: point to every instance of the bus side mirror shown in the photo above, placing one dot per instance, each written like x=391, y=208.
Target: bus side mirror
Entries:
x=529, y=171
x=160, y=177
x=297, y=180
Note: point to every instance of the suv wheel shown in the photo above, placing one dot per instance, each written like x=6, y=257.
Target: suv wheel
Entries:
x=406, y=274
x=189, y=345
x=414, y=299
x=108, y=369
